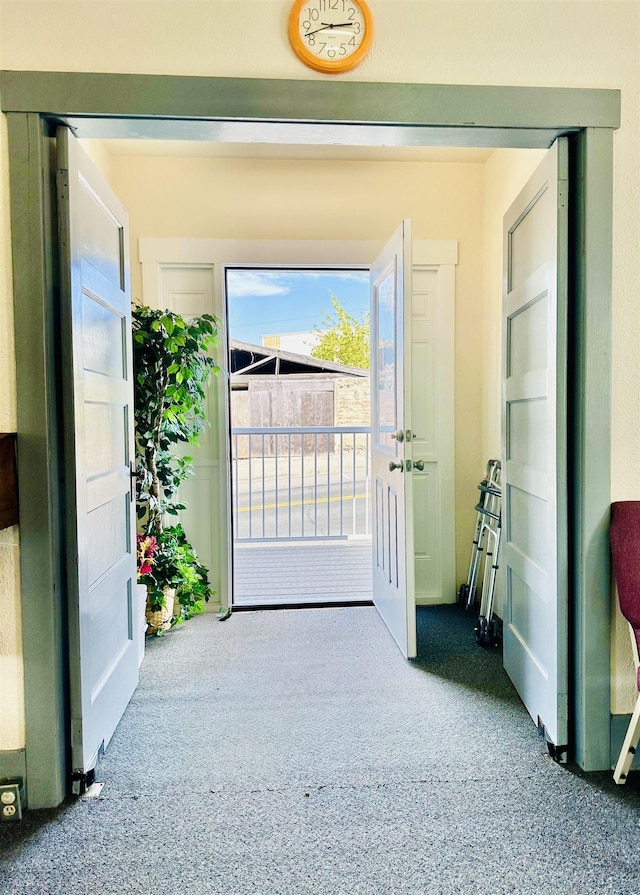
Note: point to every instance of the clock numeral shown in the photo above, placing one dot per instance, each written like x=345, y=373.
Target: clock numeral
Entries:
x=343, y=50
x=351, y=12
x=306, y=25
x=322, y=46
x=352, y=41
x=331, y=53
x=314, y=15
x=356, y=28
x=333, y=4
x=312, y=39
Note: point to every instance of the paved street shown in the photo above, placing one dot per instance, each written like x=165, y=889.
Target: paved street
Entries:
x=310, y=511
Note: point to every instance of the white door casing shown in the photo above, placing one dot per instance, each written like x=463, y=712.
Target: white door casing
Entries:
x=173, y=275
x=98, y=435
x=391, y=439
x=534, y=552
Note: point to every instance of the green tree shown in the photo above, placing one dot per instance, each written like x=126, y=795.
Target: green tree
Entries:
x=343, y=339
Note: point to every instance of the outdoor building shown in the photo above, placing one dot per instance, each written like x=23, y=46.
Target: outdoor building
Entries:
x=302, y=391
x=301, y=343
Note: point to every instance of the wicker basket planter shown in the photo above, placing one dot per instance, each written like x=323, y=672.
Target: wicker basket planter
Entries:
x=161, y=619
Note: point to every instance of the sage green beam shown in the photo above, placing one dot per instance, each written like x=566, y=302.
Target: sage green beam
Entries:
x=71, y=93
x=591, y=447
x=38, y=476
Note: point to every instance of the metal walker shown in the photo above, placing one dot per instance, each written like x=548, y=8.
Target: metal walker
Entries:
x=487, y=535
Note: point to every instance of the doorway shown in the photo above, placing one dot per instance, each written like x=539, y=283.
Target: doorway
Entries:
x=181, y=274
x=300, y=424
x=591, y=153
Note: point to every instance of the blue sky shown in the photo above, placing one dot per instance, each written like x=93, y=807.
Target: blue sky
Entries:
x=266, y=302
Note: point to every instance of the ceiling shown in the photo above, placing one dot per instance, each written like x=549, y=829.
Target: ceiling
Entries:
x=286, y=151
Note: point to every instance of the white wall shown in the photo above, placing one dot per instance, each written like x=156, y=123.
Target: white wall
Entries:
x=570, y=43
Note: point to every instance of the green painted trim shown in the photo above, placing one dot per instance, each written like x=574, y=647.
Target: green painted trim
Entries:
x=590, y=445
x=13, y=763
x=85, y=93
x=619, y=725
x=40, y=498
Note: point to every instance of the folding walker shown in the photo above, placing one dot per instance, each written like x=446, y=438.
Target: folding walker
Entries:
x=487, y=534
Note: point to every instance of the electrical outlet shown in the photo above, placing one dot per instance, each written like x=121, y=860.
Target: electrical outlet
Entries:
x=10, y=802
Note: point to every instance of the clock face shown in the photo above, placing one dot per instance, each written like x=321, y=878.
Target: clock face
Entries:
x=331, y=35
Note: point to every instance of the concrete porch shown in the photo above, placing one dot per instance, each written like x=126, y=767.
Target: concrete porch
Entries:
x=273, y=573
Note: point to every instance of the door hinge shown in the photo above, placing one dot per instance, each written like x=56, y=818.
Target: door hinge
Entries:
x=81, y=781
x=557, y=753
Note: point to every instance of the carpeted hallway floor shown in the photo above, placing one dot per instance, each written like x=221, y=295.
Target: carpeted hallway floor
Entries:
x=295, y=752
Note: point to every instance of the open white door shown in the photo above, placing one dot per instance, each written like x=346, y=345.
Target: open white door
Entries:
x=393, y=554
x=98, y=435
x=534, y=446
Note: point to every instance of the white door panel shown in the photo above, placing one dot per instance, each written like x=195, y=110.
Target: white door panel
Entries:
x=98, y=408
x=393, y=554
x=534, y=556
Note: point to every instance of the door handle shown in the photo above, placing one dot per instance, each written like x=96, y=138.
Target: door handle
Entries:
x=401, y=436
x=419, y=465
x=393, y=466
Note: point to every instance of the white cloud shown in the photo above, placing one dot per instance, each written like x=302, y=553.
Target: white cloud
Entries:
x=243, y=283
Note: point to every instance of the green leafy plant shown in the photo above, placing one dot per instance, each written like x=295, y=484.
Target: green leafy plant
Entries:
x=172, y=369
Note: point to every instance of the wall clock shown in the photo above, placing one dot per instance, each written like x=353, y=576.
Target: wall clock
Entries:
x=331, y=36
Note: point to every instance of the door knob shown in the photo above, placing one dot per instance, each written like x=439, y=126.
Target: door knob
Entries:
x=393, y=466
x=399, y=436
x=419, y=464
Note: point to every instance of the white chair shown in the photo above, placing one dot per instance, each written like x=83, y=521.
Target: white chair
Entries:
x=625, y=551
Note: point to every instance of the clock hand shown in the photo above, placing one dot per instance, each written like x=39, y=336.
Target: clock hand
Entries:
x=324, y=28
x=325, y=25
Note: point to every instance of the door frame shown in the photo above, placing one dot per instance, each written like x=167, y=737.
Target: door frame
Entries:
x=159, y=253
x=120, y=105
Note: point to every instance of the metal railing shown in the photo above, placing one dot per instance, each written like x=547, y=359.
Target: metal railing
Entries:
x=300, y=482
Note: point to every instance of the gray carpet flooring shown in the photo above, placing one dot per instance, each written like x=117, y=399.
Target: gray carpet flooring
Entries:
x=295, y=752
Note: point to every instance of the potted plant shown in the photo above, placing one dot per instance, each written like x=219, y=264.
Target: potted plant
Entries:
x=172, y=369
x=177, y=583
